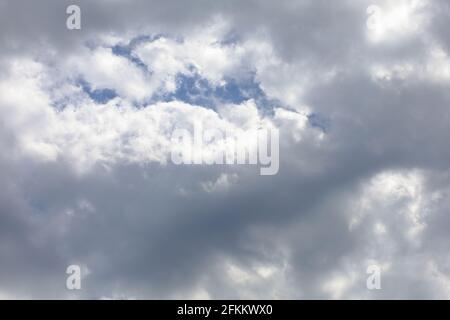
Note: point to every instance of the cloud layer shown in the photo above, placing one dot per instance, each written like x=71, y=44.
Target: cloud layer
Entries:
x=360, y=97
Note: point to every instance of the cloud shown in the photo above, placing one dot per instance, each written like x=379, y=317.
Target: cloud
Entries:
x=86, y=124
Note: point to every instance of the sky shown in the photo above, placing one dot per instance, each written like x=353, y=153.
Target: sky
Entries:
x=358, y=91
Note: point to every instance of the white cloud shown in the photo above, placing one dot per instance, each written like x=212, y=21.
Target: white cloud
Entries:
x=104, y=70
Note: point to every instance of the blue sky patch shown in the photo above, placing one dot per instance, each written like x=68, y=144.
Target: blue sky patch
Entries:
x=98, y=95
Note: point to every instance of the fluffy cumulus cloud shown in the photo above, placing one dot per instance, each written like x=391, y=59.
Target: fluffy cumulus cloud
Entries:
x=358, y=90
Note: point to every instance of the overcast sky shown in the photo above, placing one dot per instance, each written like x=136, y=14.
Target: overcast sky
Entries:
x=359, y=91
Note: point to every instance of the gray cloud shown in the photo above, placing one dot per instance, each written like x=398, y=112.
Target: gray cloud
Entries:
x=371, y=189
